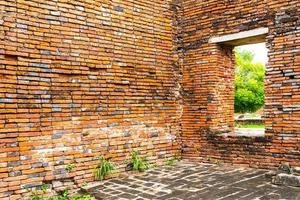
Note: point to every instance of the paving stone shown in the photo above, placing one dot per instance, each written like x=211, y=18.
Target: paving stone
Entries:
x=286, y=179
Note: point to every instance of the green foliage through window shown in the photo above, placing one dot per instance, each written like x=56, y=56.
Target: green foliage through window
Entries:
x=249, y=83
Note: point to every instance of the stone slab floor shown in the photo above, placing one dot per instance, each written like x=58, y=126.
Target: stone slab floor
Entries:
x=195, y=181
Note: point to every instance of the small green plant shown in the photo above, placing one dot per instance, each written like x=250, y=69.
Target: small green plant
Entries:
x=84, y=184
x=82, y=197
x=44, y=188
x=214, y=161
x=63, y=196
x=70, y=166
x=154, y=165
x=104, y=168
x=36, y=196
x=217, y=162
x=39, y=195
x=138, y=163
x=171, y=162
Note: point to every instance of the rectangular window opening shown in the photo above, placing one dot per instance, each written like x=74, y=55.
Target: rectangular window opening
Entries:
x=249, y=89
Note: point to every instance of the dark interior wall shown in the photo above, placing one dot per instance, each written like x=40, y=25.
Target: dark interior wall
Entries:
x=205, y=73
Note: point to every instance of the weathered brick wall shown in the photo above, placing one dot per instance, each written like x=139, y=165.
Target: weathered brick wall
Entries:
x=207, y=87
x=82, y=79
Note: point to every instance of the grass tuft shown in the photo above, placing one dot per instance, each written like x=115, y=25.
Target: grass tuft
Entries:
x=104, y=168
x=250, y=126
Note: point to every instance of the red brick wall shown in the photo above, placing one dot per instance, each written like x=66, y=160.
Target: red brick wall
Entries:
x=82, y=79
x=207, y=93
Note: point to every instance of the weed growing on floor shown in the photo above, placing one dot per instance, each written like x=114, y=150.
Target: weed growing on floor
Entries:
x=39, y=195
x=138, y=163
x=36, y=195
x=82, y=197
x=84, y=184
x=62, y=196
x=104, y=168
x=171, y=162
x=214, y=161
x=217, y=162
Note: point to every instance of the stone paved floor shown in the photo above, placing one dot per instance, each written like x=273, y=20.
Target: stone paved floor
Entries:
x=191, y=181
